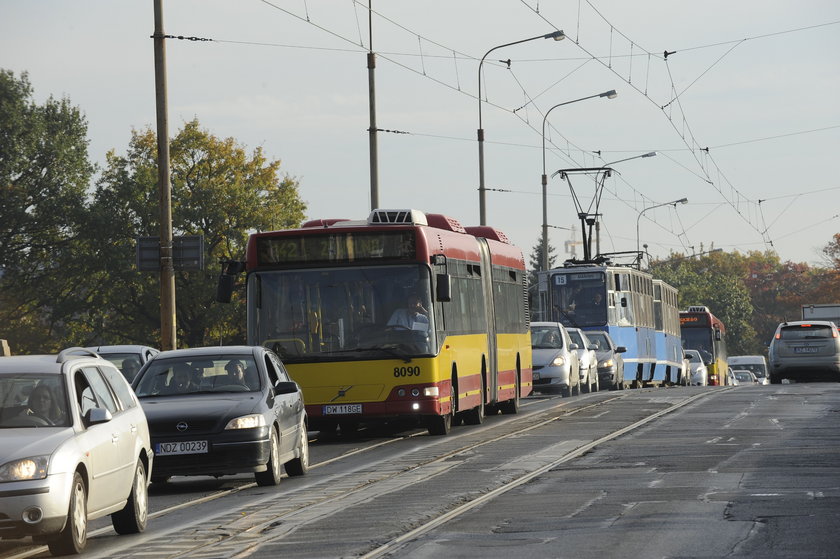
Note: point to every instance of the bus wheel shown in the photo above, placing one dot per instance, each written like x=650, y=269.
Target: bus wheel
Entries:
x=475, y=416
x=511, y=407
x=442, y=424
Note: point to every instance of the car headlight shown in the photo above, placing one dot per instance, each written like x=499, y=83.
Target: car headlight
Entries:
x=558, y=361
x=34, y=467
x=606, y=363
x=246, y=422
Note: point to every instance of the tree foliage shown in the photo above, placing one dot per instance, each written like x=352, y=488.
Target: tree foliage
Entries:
x=536, y=260
x=219, y=191
x=44, y=174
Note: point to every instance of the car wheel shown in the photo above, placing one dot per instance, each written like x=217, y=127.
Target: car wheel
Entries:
x=300, y=465
x=132, y=518
x=597, y=384
x=586, y=388
x=271, y=476
x=73, y=538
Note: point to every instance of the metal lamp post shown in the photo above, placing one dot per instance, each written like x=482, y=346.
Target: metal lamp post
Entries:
x=611, y=94
x=557, y=36
x=639, y=217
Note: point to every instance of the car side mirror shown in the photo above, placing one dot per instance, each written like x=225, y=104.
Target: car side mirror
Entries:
x=573, y=346
x=95, y=416
x=285, y=387
x=593, y=347
x=621, y=349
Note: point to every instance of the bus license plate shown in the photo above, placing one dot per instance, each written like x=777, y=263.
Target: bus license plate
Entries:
x=183, y=447
x=342, y=409
x=806, y=349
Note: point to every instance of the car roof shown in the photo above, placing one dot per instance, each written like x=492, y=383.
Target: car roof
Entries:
x=547, y=324
x=127, y=348
x=46, y=363
x=227, y=350
x=804, y=322
x=744, y=358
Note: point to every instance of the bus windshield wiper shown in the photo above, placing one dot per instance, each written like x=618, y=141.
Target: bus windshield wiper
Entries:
x=390, y=349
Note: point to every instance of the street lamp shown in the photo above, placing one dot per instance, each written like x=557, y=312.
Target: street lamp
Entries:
x=648, y=154
x=611, y=94
x=639, y=217
x=557, y=36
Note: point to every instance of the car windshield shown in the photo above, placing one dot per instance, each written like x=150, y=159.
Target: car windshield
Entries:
x=127, y=363
x=191, y=375
x=755, y=368
x=546, y=337
x=577, y=339
x=33, y=400
x=599, y=339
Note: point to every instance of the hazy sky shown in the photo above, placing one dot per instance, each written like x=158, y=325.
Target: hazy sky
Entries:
x=744, y=112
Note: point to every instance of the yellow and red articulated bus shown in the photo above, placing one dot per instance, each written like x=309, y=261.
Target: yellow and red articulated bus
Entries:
x=402, y=315
x=703, y=331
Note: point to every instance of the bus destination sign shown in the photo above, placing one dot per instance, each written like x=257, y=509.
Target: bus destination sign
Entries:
x=336, y=247
x=692, y=319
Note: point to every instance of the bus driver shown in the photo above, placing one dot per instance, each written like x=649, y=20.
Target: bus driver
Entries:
x=413, y=317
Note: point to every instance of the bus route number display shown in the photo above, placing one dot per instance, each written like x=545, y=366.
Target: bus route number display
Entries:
x=335, y=247
x=694, y=320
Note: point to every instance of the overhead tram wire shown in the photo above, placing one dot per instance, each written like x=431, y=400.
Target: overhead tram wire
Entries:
x=692, y=148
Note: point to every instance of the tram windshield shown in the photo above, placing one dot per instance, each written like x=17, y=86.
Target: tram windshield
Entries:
x=329, y=314
x=579, y=299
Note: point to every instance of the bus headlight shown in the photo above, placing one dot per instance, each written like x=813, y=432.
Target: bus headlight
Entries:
x=431, y=391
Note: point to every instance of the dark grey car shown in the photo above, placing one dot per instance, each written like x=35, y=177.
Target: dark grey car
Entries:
x=610, y=361
x=223, y=410
x=805, y=350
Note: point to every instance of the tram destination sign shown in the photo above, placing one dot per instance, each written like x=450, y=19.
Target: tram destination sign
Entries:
x=335, y=247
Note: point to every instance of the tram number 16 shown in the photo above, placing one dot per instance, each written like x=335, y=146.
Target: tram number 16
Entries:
x=406, y=372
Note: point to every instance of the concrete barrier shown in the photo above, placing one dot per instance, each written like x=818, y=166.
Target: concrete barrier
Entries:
x=4, y=348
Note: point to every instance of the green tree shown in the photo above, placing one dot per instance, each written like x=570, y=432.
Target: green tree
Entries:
x=219, y=191
x=536, y=260
x=717, y=281
x=44, y=174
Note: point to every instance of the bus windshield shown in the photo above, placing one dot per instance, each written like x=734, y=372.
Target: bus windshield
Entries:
x=333, y=314
x=579, y=299
x=699, y=339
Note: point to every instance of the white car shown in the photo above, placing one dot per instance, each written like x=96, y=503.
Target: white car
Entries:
x=555, y=363
x=75, y=447
x=588, y=359
x=756, y=364
x=699, y=374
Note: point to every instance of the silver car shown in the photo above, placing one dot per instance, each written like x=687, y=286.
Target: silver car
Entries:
x=699, y=374
x=587, y=358
x=555, y=362
x=127, y=358
x=805, y=350
x=75, y=447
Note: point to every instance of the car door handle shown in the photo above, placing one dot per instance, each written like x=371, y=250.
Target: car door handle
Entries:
x=133, y=428
x=115, y=437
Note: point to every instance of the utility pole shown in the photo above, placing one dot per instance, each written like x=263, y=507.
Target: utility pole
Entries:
x=374, y=151
x=167, y=268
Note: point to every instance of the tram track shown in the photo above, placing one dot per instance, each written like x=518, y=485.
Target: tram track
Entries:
x=270, y=518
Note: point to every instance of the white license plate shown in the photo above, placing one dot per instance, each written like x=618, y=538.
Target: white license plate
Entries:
x=806, y=349
x=183, y=447
x=339, y=409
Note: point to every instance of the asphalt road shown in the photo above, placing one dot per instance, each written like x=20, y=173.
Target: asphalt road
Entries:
x=676, y=472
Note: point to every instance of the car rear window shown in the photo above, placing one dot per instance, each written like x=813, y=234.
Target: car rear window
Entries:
x=805, y=332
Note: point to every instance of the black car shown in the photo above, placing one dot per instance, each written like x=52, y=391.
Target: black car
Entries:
x=223, y=410
x=610, y=361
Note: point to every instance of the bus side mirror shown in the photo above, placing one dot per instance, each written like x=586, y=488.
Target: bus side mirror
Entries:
x=443, y=288
x=224, y=290
x=227, y=279
x=717, y=335
x=624, y=301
